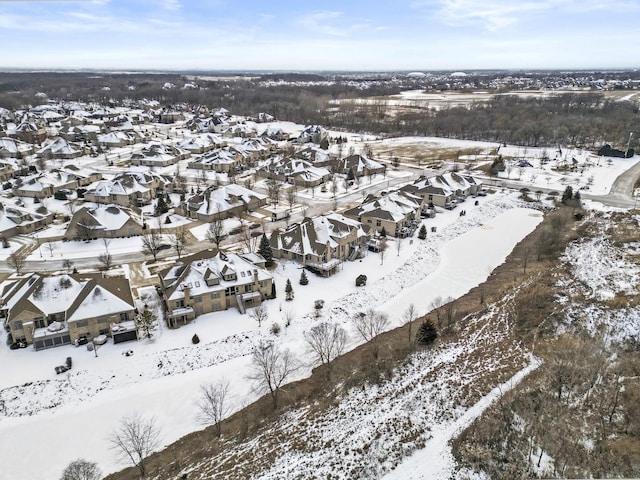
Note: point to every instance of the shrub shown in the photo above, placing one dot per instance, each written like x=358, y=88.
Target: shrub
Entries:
x=422, y=234
x=195, y=339
x=361, y=280
x=275, y=328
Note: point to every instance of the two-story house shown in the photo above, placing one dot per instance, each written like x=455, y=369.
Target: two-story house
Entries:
x=321, y=243
x=49, y=311
x=208, y=282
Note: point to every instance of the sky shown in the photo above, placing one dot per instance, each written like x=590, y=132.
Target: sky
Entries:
x=355, y=35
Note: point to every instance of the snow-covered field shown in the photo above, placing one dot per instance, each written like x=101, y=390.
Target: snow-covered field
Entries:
x=78, y=411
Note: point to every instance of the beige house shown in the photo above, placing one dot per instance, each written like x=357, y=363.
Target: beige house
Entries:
x=391, y=212
x=127, y=189
x=49, y=311
x=208, y=282
x=15, y=220
x=104, y=221
x=220, y=202
x=320, y=244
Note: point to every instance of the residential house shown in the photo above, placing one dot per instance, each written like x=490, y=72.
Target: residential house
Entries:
x=158, y=155
x=201, y=143
x=104, y=221
x=223, y=160
x=321, y=243
x=45, y=184
x=294, y=171
x=359, y=165
x=17, y=220
x=442, y=190
x=126, y=189
x=220, y=202
x=208, y=282
x=49, y=311
x=392, y=212
x=12, y=148
x=59, y=148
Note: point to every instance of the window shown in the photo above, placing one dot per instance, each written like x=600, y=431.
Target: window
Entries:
x=82, y=323
x=179, y=303
x=197, y=284
x=39, y=322
x=197, y=299
x=430, y=197
x=231, y=291
x=242, y=273
x=378, y=223
x=248, y=287
x=105, y=331
x=17, y=325
x=215, y=295
x=124, y=316
x=106, y=319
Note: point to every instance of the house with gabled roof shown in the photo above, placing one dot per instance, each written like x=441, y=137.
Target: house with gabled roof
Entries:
x=49, y=311
x=12, y=148
x=60, y=148
x=213, y=281
x=202, y=143
x=127, y=189
x=44, y=184
x=320, y=244
x=294, y=171
x=104, y=221
x=360, y=166
x=17, y=220
x=441, y=190
x=392, y=212
x=220, y=202
x=158, y=155
x=219, y=160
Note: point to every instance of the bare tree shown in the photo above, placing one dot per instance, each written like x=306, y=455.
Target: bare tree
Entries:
x=326, y=341
x=409, y=316
x=81, y=469
x=67, y=265
x=259, y=314
x=106, y=260
x=398, y=245
x=291, y=197
x=215, y=232
x=370, y=325
x=179, y=240
x=288, y=315
x=270, y=368
x=274, y=187
x=214, y=403
x=134, y=439
x=17, y=261
x=151, y=244
x=382, y=246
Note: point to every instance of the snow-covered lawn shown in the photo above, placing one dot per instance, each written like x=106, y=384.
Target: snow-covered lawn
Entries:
x=76, y=412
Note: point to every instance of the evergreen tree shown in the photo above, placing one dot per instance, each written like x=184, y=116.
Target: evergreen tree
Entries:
x=303, y=278
x=161, y=206
x=422, y=234
x=350, y=175
x=567, y=195
x=427, y=333
x=289, y=290
x=145, y=321
x=265, y=250
x=383, y=232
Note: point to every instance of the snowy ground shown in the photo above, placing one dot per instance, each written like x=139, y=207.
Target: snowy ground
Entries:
x=77, y=412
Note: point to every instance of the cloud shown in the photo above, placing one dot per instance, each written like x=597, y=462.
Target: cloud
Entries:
x=171, y=5
x=497, y=14
x=321, y=22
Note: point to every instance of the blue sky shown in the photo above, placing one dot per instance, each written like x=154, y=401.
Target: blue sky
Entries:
x=326, y=35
